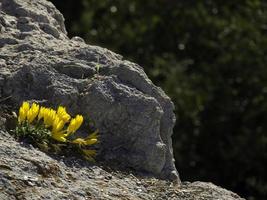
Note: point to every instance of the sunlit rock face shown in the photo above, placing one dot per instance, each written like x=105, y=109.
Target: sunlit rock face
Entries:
x=39, y=62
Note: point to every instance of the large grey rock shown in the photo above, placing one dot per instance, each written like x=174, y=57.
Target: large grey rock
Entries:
x=27, y=173
x=39, y=62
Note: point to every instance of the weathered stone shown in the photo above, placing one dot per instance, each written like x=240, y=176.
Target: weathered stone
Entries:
x=38, y=62
x=135, y=118
x=27, y=173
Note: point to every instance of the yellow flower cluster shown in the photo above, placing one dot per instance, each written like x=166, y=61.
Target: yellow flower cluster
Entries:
x=59, y=121
x=28, y=113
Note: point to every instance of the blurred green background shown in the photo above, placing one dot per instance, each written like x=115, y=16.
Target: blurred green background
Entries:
x=210, y=58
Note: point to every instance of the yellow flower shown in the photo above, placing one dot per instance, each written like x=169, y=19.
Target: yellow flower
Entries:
x=58, y=124
x=59, y=137
x=79, y=141
x=82, y=141
x=23, y=110
x=26, y=105
x=41, y=112
x=49, y=117
x=55, y=121
x=33, y=112
x=75, y=124
x=22, y=115
x=57, y=127
x=91, y=139
x=57, y=132
x=62, y=114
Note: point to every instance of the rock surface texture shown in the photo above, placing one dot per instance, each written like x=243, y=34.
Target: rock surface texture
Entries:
x=38, y=62
x=26, y=173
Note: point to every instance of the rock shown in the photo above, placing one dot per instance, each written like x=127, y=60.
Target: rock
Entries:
x=27, y=173
x=40, y=63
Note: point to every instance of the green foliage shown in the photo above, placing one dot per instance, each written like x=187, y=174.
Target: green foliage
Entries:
x=209, y=56
x=36, y=134
x=39, y=137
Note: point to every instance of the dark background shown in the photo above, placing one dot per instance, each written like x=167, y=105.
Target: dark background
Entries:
x=210, y=58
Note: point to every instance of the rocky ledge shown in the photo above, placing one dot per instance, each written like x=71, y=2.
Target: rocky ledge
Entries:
x=26, y=173
x=38, y=62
